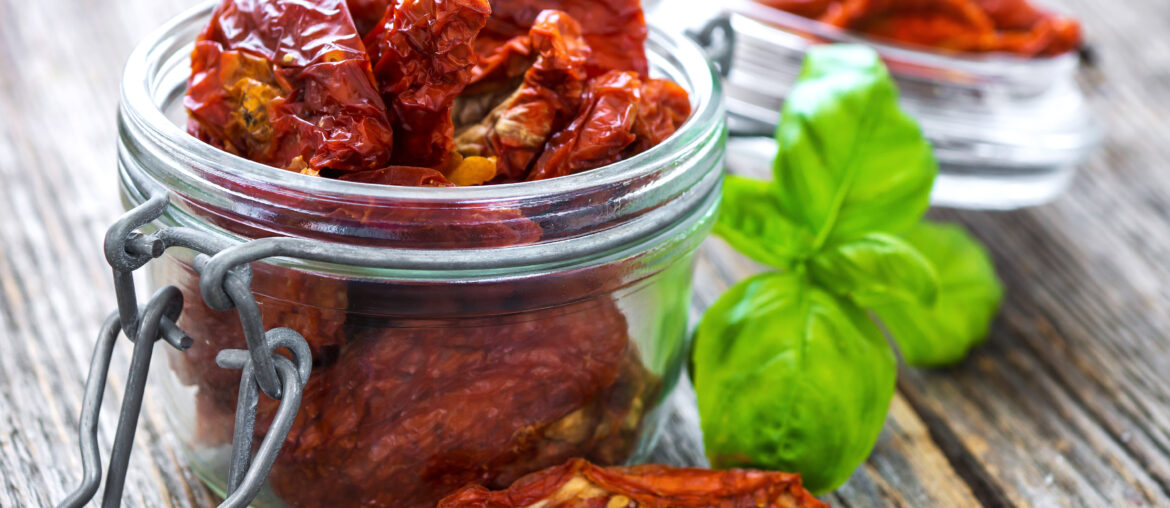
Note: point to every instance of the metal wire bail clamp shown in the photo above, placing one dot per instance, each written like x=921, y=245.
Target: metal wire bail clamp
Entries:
x=127, y=249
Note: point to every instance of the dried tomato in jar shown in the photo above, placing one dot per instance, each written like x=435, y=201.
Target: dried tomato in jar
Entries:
x=1009, y=26
x=519, y=127
x=614, y=29
x=287, y=84
x=423, y=58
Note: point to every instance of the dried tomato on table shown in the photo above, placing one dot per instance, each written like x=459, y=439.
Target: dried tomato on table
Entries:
x=579, y=484
x=287, y=84
x=1012, y=26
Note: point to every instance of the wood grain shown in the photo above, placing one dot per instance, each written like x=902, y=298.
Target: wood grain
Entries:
x=1067, y=404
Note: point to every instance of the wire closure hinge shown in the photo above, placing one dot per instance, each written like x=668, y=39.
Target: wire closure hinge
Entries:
x=225, y=282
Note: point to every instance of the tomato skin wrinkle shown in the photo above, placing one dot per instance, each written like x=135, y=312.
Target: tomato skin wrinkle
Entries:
x=287, y=84
x=601, y=131
x=551, y=91
x=614, y=29
x=423, y=58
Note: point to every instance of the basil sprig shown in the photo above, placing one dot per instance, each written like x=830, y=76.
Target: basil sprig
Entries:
x=791, y=371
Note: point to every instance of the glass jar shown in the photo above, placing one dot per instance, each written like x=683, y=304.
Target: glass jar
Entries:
x=1007, y=131
x=525, y=323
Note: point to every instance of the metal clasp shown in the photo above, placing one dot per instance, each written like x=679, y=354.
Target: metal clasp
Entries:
x=228, y=285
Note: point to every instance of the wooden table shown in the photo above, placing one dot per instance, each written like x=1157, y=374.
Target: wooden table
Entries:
x=1068, y=403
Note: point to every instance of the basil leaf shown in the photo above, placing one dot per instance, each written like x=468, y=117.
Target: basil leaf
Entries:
x=968, y=296
x=876, y=269
x=851, y=161
x=792, y=378
x=750, y=219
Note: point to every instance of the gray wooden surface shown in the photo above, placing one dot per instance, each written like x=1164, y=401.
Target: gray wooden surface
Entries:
x=1068, y=404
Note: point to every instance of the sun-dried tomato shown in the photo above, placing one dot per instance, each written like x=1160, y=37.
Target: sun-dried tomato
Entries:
x=615, y=30
x=288, y=84
x=579, y=484
x=423, y=59
x=516, y=131
x=411, y=176
x=310, y=303
x=664, y=107
x=600, y=132
x=1028, y=30
x=407, y=415
x=366, y=13
x=1012, y=26
x=947, y=24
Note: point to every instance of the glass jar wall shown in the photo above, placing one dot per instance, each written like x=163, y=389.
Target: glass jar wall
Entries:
x=524, y=324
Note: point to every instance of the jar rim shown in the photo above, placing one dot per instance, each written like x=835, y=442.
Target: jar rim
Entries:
x=138, y=101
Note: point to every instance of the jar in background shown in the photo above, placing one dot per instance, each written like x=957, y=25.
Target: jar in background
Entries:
x=526, y=323
x=1007, y=131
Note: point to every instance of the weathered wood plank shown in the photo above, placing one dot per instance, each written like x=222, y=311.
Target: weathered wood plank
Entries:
x=56, y=162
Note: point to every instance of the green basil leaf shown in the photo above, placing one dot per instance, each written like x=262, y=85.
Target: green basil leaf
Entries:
x=851, y=161
x=791, y=377
x=876, y=269
x=969, y=295
x=750, y=219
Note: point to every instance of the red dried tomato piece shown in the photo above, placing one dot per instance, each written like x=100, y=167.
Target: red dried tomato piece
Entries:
x=516, y=131
x=664, y=107
x=500, y=63
x=310, y=303
x=366, y=13
x=409, y=415
x=579, y=484
x=614, y=29
x=949, y=24
x=1028, y=30
x=1013, y=26
x=600, y=132
x=287, y=84
x=410, y=176
x=423, y=59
